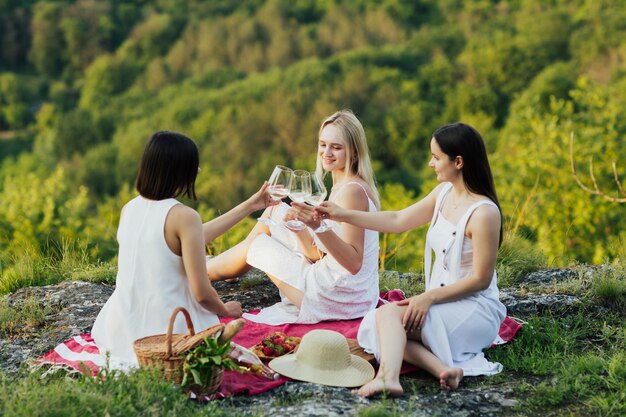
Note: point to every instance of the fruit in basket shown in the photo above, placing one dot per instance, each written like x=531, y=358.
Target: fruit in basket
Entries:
x=276, y=344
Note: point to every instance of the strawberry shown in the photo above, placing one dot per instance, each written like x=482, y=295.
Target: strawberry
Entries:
x=268, y=351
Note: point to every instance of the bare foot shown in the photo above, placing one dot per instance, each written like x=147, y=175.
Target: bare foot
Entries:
x=378, y=386
x=450, y=378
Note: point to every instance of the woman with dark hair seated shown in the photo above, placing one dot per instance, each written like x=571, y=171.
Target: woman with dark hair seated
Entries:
x=444, y=329
x=161, y=260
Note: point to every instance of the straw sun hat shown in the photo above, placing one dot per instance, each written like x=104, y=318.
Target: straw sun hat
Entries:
x=323, y=357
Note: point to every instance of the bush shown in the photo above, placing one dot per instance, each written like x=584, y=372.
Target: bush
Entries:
x=517, y=257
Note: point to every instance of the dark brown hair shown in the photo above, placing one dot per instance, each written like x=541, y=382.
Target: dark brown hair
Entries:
x=459, y=139
x=169, y=167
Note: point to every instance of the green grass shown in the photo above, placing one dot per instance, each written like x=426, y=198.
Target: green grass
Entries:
x=67, y=261
x=386, y=409
x=13, y=319
x=140, y=393
x=411, y=284
x=608, y=286
x=517, y=256
x=100, y=272
x=596, y=380
x=581, y=361
x=250, y=283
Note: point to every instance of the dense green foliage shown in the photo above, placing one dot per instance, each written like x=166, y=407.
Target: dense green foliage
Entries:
x=83, y=83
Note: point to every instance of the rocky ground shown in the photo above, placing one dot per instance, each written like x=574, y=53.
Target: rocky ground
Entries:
x=71, y=308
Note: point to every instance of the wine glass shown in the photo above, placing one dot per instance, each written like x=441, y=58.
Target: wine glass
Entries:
x=299, y=191
x=278, y=188
x=317, y=197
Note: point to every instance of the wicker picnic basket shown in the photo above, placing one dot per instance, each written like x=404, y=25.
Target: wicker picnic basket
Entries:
x=167, y=350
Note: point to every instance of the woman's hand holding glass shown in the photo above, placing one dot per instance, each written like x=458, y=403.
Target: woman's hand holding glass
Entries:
x=318, y=195
x=305, y=214
x=299, y=191
x=278, y=188
x=261, y=199
x=331, y=211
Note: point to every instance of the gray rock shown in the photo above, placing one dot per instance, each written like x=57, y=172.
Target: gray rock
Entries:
x=549, y=276
x=396, y=275
x=72, y=307
x=253, y=290
x=306, y=399
x=525, y=305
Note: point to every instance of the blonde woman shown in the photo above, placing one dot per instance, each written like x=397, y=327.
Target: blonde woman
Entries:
x=323, y=275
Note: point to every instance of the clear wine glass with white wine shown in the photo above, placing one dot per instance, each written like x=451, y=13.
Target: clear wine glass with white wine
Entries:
x=299, y=191
x=317, y=197
x=278, y=188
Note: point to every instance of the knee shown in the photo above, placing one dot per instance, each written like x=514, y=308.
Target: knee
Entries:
x=387, y=313
x=247, y=243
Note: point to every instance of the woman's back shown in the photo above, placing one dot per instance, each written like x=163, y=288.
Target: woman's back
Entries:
x=150, y=283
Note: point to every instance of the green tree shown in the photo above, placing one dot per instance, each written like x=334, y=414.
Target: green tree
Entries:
x=105, y=77
x=80, y=130
x=533, y=155
x=47, y=52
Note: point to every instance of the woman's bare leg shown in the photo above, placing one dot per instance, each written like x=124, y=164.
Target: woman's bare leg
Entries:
x=419, y=355
x=292, y=293
x=395, y=343
x=392, y=342
x=232, y=262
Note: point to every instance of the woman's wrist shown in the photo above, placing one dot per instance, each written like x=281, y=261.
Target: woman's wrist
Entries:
x=431, y=295
x=250, y=206
x=322, y=228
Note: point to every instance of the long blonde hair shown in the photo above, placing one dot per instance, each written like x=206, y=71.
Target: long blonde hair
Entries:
x=352, y=132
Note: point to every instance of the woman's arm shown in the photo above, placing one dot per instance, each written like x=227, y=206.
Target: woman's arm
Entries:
x=349, y=250
x=184, y=226
x=220, y=225
x=385, y=221
x=484, y=230
x=305, y=240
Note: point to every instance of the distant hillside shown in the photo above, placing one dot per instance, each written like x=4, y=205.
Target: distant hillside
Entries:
x=84, y=83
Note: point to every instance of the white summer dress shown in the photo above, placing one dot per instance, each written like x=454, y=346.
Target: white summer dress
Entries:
x=150, y=284
x=457, y=331
x=330, y=291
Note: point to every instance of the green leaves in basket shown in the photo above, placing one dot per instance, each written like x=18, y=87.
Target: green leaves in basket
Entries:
x=204, y=359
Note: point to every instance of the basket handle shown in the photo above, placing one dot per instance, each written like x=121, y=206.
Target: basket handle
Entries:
x=170, y=328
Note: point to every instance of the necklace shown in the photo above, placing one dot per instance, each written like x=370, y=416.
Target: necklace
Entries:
x=456, y=206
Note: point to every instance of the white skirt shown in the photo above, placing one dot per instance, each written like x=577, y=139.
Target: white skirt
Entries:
x=330, y=291
x=455, y=332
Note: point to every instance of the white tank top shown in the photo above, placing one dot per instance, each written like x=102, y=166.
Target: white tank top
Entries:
x=150, y=283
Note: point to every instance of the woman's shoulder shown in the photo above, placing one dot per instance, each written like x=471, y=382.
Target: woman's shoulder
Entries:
x=436, y=192
x=181, y=214
x=356, y=191
x=485, y=213
x=180, y=209
x=486, y=208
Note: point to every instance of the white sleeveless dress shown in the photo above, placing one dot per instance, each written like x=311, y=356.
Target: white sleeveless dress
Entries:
x=457, y=331
x=150, y=284
x=330, y=291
